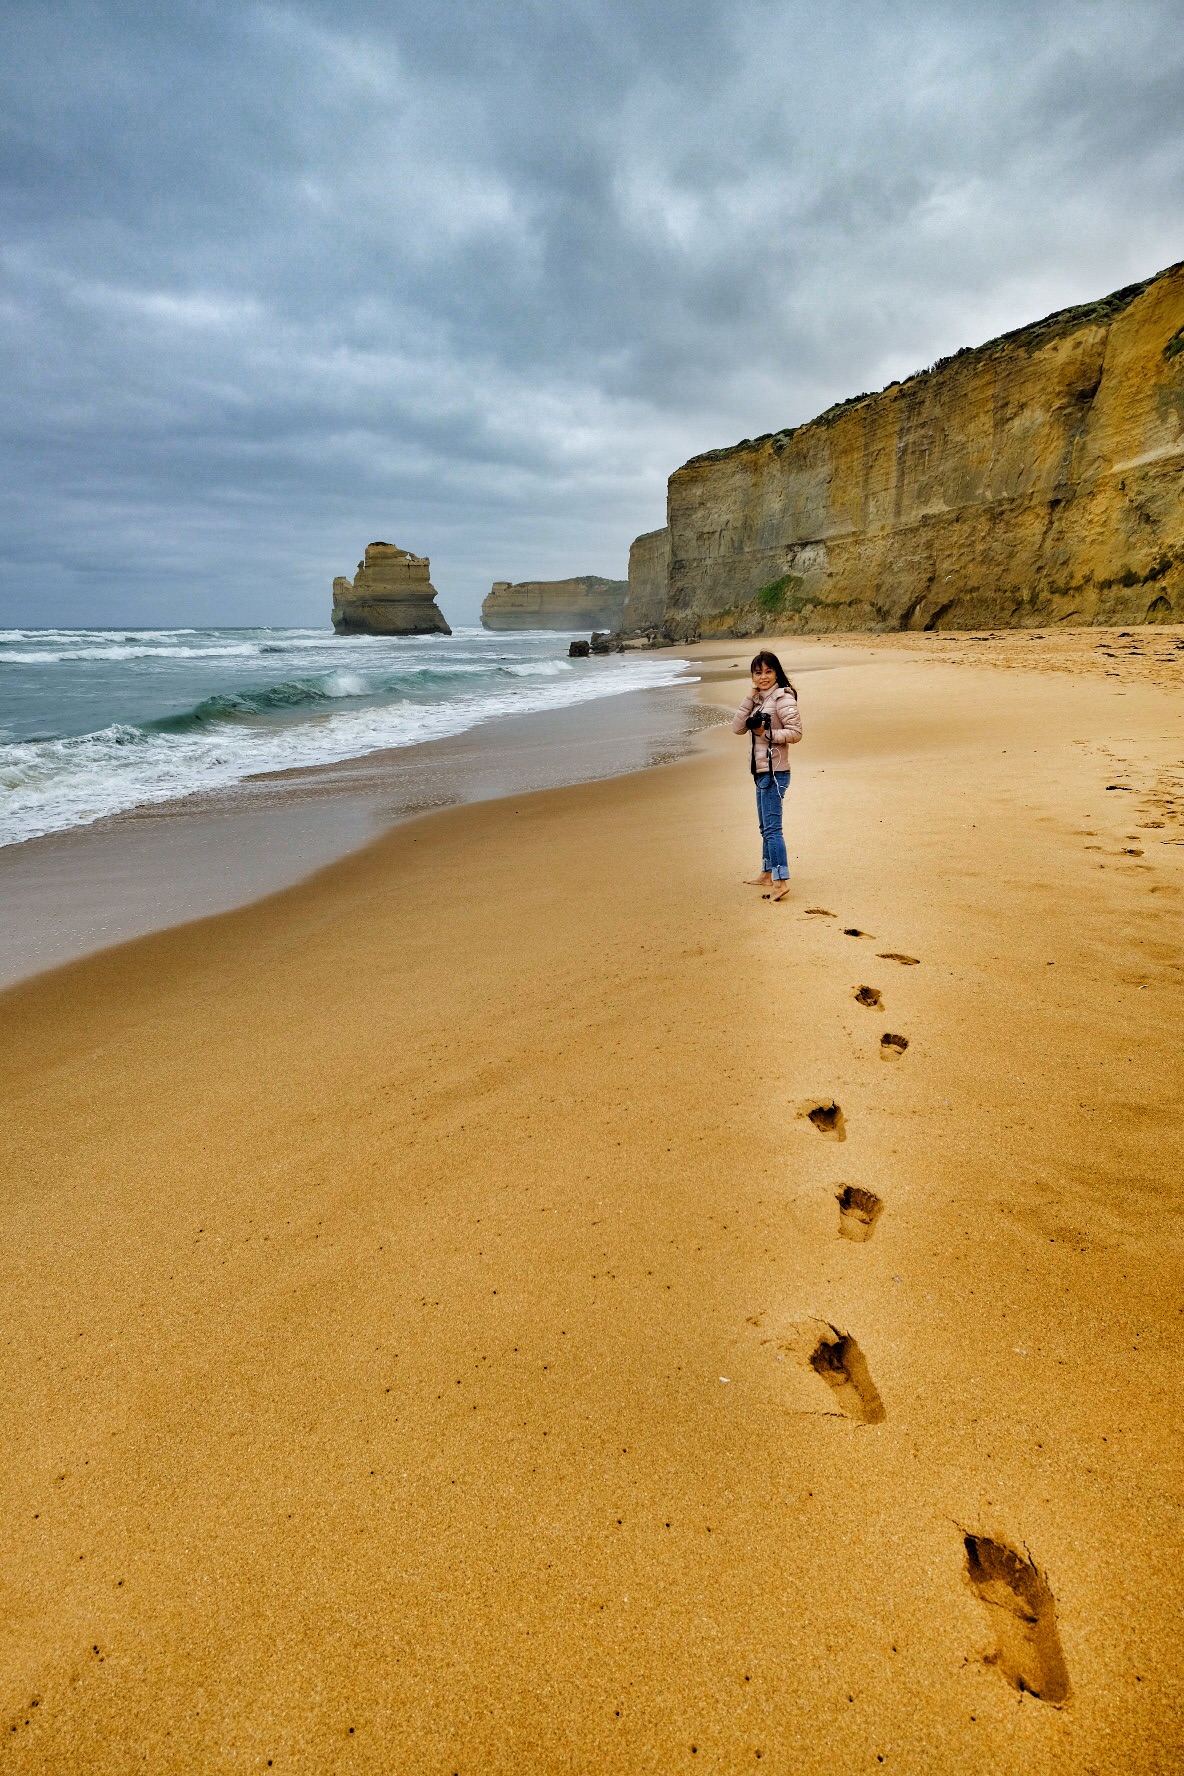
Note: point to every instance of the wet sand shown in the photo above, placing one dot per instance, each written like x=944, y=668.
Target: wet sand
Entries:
x=73, y=893
x=431, y=1344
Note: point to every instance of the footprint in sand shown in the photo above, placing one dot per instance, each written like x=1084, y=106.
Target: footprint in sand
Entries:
x=827, y=1118
x=821, y=912
x=854, y=931
x=843, y=1367
x=892, y=1046
x=895, y=956
x=859, y=1210
x=1022, y=1614
x=868, y=996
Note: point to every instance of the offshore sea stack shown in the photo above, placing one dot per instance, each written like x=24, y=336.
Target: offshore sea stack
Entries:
x=587, y=602
x=1036, y=479
x=391, y=594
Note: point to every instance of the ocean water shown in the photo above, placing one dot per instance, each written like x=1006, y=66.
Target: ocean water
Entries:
x=94, y=722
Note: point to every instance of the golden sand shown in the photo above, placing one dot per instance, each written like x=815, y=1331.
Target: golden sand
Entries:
x=430, y=1343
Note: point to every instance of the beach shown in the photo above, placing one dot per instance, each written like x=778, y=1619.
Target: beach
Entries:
x=429, y=1341
x=149, y=867
x=153, y=776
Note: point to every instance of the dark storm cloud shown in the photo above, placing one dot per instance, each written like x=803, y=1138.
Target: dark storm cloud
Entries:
x=478, y=278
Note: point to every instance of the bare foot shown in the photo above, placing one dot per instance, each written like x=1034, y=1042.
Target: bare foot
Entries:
x=778, y=891
x=763, y=881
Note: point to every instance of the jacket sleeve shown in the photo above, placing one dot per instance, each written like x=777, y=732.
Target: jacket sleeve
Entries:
x=790, y=731
x=742, y=714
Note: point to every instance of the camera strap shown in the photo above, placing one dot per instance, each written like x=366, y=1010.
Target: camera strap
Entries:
x=758, y=776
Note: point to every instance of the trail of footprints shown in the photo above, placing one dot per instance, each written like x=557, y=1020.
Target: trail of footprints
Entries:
x=1015, y=1594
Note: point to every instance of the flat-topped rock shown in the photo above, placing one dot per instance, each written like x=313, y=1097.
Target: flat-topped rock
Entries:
x=391, y=594
x=585, y=602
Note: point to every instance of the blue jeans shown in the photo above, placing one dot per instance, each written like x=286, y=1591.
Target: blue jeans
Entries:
x=770, y=793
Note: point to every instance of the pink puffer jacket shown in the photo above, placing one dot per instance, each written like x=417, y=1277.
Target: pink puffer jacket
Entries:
x=782, y=706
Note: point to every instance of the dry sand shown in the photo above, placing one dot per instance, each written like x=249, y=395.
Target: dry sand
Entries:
x=410, y=1281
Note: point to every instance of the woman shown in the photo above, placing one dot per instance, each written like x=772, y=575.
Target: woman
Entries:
x=769, y=715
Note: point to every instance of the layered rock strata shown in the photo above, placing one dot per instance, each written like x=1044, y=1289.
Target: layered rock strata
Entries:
x=391, y=594
x=1036, y=479
x=587, y=602
x=649, y=569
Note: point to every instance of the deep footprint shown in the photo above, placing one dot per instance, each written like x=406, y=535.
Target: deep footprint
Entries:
x=1023, y=1616
x=868, y=996
x=892, y=1047
x=854, y=931
x=827, y=1119
x=821, y=912
x=859, y=1210
x=842, y=1365
x=895, y=956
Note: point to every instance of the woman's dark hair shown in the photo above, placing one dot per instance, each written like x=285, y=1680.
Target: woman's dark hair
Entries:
x=765, y=658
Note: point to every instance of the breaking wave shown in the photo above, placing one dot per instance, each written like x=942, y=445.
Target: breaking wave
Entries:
x=378, y=694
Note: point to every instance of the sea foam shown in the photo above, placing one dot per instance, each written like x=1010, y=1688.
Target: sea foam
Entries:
x=255, y=714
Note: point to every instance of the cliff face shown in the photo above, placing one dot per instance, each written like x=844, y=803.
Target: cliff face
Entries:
x=587, y=602
x=649, y=567
x=1033, y=480
x=391, y=594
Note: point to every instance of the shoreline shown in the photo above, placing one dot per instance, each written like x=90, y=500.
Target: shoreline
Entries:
x=75, y=893
x=412, y=1287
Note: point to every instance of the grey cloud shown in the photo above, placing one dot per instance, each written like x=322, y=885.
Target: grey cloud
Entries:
x=272, y=284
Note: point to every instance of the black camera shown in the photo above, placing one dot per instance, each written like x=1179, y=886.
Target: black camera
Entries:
x=755, y=723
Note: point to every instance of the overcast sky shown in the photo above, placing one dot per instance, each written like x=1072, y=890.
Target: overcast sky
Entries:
x=475, y=278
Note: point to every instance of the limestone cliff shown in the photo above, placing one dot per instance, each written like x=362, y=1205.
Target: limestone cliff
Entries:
x=649, y=567
x=391, y=594
x=1033, y=480
x=587, y=602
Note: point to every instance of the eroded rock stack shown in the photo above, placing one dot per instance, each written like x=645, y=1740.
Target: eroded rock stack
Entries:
x=586, y=602
x=391, y=594
x=1033, y=480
